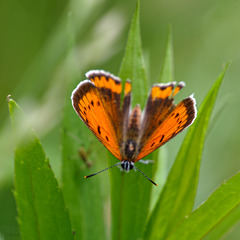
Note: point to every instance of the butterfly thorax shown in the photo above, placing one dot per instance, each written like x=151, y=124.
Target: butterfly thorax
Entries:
x=130, y=147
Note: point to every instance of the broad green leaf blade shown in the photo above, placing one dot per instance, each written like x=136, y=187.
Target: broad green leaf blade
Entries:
x=224, y=225
x=177, y=198
x=224, y=201
x=132, y=64
x=130, y=192
x=41, y=210
x=166, y=74
x=83, y=197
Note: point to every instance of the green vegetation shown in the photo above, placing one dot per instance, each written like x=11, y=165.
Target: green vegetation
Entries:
x=54, y=201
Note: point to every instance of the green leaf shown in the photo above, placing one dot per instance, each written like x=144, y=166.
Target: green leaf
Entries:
x=224, y=225
x=41, y=210
x=132, y=64
x=130, y=192
x=177, y=198
x=223, y=203
x=166, y=74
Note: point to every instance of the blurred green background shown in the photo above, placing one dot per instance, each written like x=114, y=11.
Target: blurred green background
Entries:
x=43, y=44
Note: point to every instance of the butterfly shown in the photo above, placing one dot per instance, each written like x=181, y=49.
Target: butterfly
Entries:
x=130, y=134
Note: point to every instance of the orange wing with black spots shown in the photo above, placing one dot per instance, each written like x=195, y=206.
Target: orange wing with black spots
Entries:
x=162, y=119
x=110, y=88
x=97, y=102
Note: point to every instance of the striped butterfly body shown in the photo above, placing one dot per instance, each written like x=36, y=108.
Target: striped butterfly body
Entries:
x=130, y=134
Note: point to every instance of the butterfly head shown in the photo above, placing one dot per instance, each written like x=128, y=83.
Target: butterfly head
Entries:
x=127, y=165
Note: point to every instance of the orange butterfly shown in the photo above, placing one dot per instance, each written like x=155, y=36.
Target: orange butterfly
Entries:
x=130, y=134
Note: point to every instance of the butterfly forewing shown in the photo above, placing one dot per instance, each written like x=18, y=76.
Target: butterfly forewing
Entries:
x=97, y=102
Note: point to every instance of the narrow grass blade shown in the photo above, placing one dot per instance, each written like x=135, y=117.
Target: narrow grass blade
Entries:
x=41, y=210
x=177, y=198
x=80, y=157
x=132, y=67
x=221, y=205
x=166, y=74
x=130, y=192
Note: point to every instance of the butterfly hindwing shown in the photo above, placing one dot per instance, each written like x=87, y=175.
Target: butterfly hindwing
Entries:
x=162, y=119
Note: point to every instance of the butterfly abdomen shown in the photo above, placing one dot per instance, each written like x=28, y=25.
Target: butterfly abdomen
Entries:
x=133, y=128
x=134, y=123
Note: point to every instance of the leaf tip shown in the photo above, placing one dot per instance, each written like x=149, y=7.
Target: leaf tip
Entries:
x=136, y=14
x=137, y=4
x=227, y=66
x=9, y=97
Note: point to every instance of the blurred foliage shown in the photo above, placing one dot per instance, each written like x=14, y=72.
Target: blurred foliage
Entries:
x=35, y=65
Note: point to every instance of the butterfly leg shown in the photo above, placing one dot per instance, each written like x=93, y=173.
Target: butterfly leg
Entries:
x=146, y=161
x=84, y=156
x=120, y=167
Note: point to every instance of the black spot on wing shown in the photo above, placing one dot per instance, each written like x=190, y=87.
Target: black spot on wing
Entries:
x=161, y=138
x=173, y=135
x=99, y=131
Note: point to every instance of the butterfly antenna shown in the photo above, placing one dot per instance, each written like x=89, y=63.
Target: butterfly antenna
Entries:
x=91, y=175
x=145, y=175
